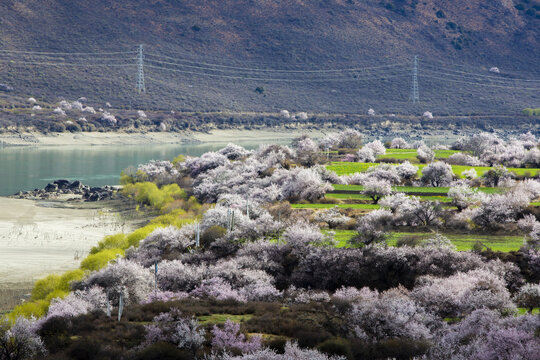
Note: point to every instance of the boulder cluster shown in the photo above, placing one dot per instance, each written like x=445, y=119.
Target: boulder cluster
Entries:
x=66, y=187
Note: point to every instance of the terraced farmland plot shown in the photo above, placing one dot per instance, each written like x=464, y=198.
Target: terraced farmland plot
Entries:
x=415, y=189
x=347, y=196
x=410, y=154
x=463, y=242
x=349, y=168
x=364, y=197
x=342, y=206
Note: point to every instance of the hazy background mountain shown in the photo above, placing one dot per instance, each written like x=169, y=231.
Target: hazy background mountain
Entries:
x=457, y=41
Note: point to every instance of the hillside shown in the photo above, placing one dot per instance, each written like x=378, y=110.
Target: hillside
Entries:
x=218, y=44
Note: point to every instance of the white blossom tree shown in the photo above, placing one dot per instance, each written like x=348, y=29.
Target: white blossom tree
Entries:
x=425, y=154
x=377, y=189
x=437, y=174
x=399, y=143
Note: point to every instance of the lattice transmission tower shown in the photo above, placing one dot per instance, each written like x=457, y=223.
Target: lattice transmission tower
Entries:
x=415, y=96
x=140, y=77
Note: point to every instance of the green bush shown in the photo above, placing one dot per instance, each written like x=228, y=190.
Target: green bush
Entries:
x=136, y=236
x=117, y=241
x=45, y=286
x=97, y=261
x=179, y=159
x=28, y=309
x=531, y=112
x=73, y=127
x=148, y=193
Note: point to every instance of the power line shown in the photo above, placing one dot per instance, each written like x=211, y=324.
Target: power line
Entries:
x=274, y=79
x=296, y=72
x=468, y=67
x=10, y=62
x=479, y=84
x=66, y=53
x=464, y=73
x=62, y=58
x=265, y=70
x=477, y=80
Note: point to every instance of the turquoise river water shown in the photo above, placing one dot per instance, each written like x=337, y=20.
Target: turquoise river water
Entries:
x=27, y=168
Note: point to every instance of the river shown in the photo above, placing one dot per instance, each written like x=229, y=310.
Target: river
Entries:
x=28, y=168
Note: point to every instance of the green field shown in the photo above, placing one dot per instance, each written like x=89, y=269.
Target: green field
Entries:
x=342, y=206
x=347, y=196
x=410, y=154
x=349, y=168
x=222, y=318
x=364, y=197
x=414, y=189
x=463, y=242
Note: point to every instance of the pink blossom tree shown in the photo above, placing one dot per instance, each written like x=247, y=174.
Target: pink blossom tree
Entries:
x=230, y=337
x=175, y=328
x=20, y=340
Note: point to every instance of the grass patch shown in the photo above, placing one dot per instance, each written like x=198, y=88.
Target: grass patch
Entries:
x=415, y=189
x=410, y=154
x=347, y=196
x=364, y=197
x=342, y=206
x=463, y=242
x=222, y=318
x=405, y=154
x=349, y=168
x=523, y=311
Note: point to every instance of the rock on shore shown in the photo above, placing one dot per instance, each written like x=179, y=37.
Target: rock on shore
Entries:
x=62, y=188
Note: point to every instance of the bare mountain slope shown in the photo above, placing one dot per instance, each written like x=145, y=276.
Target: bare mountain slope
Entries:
x=458, y=41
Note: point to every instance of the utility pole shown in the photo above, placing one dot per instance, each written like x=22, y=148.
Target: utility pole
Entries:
x=415, y=96
x=140, y=78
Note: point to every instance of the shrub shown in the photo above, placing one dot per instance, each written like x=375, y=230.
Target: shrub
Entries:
x=212, y=234
x=117, y=241
x=163, y=351
x=410, y=241
x=45, y=286
x=99, y=260
x=148, y=193
x=85, y=349
x=30, y=309
x=336, y=346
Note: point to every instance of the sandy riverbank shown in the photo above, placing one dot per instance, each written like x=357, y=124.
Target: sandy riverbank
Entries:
x=38, y=238
x=114, y=138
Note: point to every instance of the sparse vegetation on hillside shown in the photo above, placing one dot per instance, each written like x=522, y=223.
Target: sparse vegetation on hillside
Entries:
x=216, y=39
